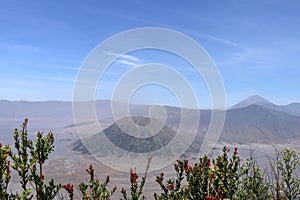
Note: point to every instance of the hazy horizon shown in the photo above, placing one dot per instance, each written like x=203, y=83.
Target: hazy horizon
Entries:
x=137, y=103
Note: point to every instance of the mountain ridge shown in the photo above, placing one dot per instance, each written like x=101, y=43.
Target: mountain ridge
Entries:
x=291, y=108
x=252, y=124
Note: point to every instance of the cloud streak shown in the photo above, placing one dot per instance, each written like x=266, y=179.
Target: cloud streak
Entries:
x=212, y=37
x=129, y=60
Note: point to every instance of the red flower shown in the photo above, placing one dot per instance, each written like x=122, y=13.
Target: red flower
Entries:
x=0, y=145
x=42, y=177
x=235, y=150
x=39, y=135
x=133, y=177
x=171, y=186
x=90, y=169
x=192, y=168
x=208, y=162
x=210, y=198
x=186, y=167
x=220, y=194
x=69, y=188
x=122, y=190
x=133, y=174
x=51, y=135
x=115, y=188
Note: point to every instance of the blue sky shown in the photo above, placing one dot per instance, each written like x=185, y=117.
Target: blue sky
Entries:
x=255, y=45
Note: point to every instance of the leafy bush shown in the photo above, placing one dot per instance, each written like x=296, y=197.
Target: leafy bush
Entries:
x=4, y=170
x=223, y=177
x=252, y=184
x=218, y=179
x=290, y=185
x=136, y=189
x=95, y=190
x=28, y=160
x=228, y=178
x=172, y=189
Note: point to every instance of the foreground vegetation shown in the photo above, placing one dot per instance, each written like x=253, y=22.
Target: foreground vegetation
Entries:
x=223, y=177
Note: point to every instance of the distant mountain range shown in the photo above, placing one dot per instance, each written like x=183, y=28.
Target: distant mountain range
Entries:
x=253, y=120
x=293, y=108
x=252, y=124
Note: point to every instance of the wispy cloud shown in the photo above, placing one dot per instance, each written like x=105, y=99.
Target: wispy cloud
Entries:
x=132, y=58
x=253, y=55
x=207, y=36
x=240, y=53
x=129, y=60
x=222, y=40
x=212, y=37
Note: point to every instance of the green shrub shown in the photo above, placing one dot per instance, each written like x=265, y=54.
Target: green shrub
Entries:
x=218, y=179
x=172, y=188
x=287, y=164
x=136, y=189
x=4, y=170
x=28, y=160
x=223, y=177
x=252, y=186
x=95, y=190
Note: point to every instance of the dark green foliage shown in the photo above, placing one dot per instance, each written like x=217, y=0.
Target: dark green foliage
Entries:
x=95, y=190
x=136, y=189
x=28, y=161
x=252, y=186
x=222, y=177
x=287, y=165
x=226, y=174
x=172, y=189
x=4, y=170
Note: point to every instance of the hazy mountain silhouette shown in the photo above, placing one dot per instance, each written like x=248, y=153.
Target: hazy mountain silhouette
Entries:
x=260, y=124
x=125, y=141
x=254, y=120
x=252, y=124
x=252, y=100
x=293, y=108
